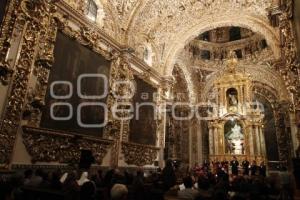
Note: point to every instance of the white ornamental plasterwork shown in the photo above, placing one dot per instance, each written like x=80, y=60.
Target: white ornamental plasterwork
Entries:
x=172, y=23
x=122, y=12
x=124, y=8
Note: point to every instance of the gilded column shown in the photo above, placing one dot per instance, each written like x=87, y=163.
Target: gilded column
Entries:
x=221, y=141
x=262, y=140
x=239, y=98
x=258, y=142
x=216, y=137
x=224, y=100
x=211, y=141
x=251, y=142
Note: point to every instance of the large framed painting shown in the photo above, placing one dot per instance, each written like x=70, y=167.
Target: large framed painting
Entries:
x=143, y=125
x=77, y=89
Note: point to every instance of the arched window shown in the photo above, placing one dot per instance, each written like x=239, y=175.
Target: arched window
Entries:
x=92, y=10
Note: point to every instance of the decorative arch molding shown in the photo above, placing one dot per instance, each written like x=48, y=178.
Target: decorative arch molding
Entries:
x=123, y=13
x=187, y=75
x=266, y=91
x=243, y=20
x=180, y=85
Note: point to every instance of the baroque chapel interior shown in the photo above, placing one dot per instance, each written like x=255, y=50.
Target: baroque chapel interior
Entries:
x=142, y=100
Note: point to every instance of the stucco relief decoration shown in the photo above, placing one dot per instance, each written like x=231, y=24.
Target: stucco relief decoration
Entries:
x=48, y=146
x=139, y=155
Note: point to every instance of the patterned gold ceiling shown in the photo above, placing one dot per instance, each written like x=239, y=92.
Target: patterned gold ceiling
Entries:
x=167, y=26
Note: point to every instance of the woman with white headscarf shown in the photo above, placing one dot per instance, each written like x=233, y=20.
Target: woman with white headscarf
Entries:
x=83, y=179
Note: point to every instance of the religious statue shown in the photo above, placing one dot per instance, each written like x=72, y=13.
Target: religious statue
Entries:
x=232, y=62
x=235, y=133
x=235, y=140
x=232, y=100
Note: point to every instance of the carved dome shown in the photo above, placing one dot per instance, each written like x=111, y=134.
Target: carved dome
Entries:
x=217, y=43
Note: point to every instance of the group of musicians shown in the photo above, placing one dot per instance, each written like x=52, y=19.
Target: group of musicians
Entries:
x=246, y=167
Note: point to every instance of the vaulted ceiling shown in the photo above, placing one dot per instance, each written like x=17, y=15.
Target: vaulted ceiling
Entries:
x=167, y=26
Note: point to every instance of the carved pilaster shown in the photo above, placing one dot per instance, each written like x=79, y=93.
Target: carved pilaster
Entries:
x=282, y=137
x=119, y=129
x=33, y=16
x=5, y=39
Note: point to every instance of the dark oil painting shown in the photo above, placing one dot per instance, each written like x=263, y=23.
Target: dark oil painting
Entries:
x=72, y=60
x=143, y=129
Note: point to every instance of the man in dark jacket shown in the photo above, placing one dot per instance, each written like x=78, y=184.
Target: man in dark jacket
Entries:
x=245, y=165
x=234, y=166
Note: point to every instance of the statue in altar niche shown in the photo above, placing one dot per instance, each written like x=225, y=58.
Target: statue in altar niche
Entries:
x=232, y=100
x=234, y=138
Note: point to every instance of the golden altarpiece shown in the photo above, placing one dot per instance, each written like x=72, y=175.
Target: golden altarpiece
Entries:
x=236, y=127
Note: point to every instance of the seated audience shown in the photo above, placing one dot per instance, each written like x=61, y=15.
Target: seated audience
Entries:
x=27, y=176
x=119, y=192
x=123, y=185
x=37, y=179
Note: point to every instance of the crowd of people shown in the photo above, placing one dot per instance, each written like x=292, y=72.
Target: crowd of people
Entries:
x=215, y=180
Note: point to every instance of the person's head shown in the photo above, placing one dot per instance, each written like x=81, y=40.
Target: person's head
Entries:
x=16, y=180
x=28, y=174
x=219, y=195
x=56, y=175
x=99, y=172
x=140, y=173
x=119, y=192
x=203, y=183
x=71, y=177
x=39, y=172
x=169, y=164
x=283, y=168
x=87, y=190
x=188, y=182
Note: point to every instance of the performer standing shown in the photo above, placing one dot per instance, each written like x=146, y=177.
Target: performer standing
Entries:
x=253, y=168
x=245, y=165
x=234, y=166
x=262, y=169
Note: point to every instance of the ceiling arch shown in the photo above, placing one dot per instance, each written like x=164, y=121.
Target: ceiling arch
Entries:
x=244, y=21
x=188, y=78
